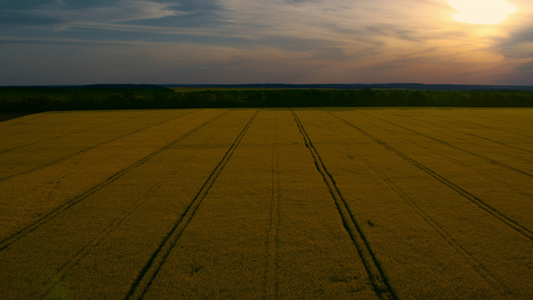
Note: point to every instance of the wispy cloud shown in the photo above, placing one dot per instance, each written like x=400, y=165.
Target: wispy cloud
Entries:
x=59, y=12
x=518, y=44
x=124, y=10
x=61, y=41
x=252, y=40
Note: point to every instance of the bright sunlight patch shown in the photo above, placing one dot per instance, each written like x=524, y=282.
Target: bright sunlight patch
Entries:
x=481, y=11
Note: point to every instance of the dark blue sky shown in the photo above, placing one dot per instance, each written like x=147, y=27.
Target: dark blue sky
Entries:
x=253, y=41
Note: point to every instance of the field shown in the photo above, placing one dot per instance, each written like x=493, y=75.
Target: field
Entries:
x=331, y=203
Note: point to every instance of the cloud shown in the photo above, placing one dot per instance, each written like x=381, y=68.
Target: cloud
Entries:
x=116, y=12
x=524, y=35
x=103, y=12
x=518, y=45
x=13, y=18
x=60, y=41
x=258, y=41
x=324, y=30
x=526, y=67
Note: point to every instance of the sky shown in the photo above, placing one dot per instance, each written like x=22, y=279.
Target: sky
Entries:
x=62, y=42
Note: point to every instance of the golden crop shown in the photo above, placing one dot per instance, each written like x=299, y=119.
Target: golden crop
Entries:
x=329, y=203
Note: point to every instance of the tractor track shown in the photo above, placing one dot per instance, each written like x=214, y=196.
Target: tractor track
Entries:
x=474, y=263
x=272, y=264
x=5, y=243
x=510, y=187
x=150, y=270
x=63, y=271
x=506, y=185
x=472, y=198
x=492, y=128
x=375, y=271
x=457, y=130
x=495, y=117
x=89, y=148
x=462, y=120
x=42, y=115
x=60, y=136
x=497, y=129
x=492, y=161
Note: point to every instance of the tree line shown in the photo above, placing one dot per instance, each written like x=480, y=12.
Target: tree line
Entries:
x=47, y=99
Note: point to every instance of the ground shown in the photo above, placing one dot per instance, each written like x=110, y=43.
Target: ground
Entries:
x=268, y=203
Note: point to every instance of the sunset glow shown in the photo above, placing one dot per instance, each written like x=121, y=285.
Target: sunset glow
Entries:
x=489, y=12
x=50, y=42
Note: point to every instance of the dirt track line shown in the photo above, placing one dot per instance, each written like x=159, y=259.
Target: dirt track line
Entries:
x=62, y=135
x=494, y=162
x=498, y=129
x=506, y=185
x=476, y=265
x=514, y=118
x=63, y=271
x=70, y=203
x=461, y=131
x=41, y=115
x=150, y=270
x=272, y=263
x=375, y=272
x=473, y=123
x=477, y=201
x=90, y=148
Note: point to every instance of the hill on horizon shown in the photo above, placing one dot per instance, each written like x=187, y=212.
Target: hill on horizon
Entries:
x=349, y=86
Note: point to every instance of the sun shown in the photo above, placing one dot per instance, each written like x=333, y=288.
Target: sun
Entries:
x=481, y=11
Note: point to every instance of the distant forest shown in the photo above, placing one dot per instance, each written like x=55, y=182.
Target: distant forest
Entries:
x=39, y=99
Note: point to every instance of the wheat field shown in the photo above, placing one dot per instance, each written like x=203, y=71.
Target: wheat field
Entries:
x=332, y=203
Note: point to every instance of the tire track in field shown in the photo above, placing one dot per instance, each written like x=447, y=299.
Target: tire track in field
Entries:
x=90, y=148
x=517, y=119
x=150, y=270
x=471, y=261
x=475, y=124
x=492, y=178
x=495, y=128
x=63, y=271
x=504, y=184
x=272, y=242
x=38, y=116
x=494, y=117
x=477, y=201
x=70, y=203
x=492, y=161
x=461, y=119
x=59, y=136
x=463, y=132
x=376, y=273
